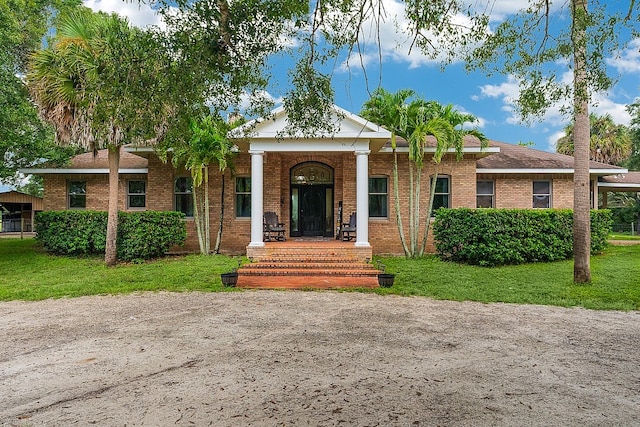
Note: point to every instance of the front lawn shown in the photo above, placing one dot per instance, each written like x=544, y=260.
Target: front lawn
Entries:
x=615, y=281
x=28, y=274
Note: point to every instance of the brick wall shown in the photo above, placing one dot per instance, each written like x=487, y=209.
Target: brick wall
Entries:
x=55, y=190
x=516, y=190
x=383, y=233
x=511, y=191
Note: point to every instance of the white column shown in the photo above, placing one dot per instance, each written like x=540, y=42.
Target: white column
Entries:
x=362, y=198
x=257, y=186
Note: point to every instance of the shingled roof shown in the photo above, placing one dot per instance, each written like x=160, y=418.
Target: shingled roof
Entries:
x=512, y=156
x=98, y=163
x=623, y=178
x=101, y=161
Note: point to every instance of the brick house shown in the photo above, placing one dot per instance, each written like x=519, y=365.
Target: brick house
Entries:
x=311, y=182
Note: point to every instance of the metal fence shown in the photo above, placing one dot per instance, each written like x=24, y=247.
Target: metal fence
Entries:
x=16, y=225
x=630, y=228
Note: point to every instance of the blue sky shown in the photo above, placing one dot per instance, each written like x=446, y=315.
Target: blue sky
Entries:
x=489, y=99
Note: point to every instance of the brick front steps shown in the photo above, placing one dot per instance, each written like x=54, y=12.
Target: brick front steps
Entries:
x=308, y=265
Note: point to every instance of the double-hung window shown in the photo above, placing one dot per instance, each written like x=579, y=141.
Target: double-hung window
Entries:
x=183, y=195
x=136, y=194
x=485, y=194
x=378, y=197
x=243, y=197
x=77, y=194
x=542, y=194
x=442, y=196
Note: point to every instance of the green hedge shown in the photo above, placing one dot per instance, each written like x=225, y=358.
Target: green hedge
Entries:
x=141, y=235
x=512, y=236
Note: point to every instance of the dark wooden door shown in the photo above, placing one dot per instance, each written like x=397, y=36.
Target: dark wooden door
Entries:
x=312, y=210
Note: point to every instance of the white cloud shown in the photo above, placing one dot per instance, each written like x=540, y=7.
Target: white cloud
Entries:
x=393, y=35
x=391, y=39
x=508, y=91
x=479, y=123
x=628, y=61
x=553, y=138
x=603, y=104
x=139, y=14
x=247, y=100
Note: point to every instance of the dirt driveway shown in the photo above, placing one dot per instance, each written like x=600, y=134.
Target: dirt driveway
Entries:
x=314, y=358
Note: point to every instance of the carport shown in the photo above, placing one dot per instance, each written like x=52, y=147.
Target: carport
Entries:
x=18, y=212
x=624, y=183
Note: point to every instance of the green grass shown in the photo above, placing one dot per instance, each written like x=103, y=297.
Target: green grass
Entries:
x=26, y=273
x=615, y=281
x=622, y=236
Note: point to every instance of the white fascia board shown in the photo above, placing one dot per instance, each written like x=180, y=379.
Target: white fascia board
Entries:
x=81, y=171
x=525, y=171
x=618, y=185
x=468, y=150
x=556, y=171
x=306, y=146
x=383, y=135
x=141, y=149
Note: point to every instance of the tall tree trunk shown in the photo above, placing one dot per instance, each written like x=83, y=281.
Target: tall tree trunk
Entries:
x=111, y=248
x=417, y=209
x=197, y=216
x=219, y=236
x=207, y=217
x=412, y=224
x=396, y=196
x=432, y=195
x=581, y=205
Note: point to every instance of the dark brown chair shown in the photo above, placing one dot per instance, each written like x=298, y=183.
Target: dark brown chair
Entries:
x=348, y=231
x=273, y=228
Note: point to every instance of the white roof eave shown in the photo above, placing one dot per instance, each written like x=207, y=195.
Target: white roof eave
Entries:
x=548, y=170
x=41, y=171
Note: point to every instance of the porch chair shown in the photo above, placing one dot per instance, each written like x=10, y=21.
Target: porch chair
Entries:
x=348, y=231
x=273, y=228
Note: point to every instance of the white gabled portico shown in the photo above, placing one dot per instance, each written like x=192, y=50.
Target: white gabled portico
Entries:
x=353, y=135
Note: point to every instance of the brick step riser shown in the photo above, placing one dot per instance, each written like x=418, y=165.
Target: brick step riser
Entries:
x=314, y=252
x=332, y=273
x=323, y=264
x=306, y=255
x=332, y=261
x=303, y=268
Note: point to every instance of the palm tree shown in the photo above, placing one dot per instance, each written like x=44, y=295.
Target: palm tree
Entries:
x=451, y=137
x=415, y=121
x=390, y=110
x=207, y=145
x=93, y=83
x=609, y=142
x=60, y=81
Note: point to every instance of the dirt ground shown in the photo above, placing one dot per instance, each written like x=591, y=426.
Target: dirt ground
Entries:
x=290, y=358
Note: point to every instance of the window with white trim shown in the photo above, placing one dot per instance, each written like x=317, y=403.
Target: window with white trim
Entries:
x=378, y=197
x=136, y=194
x=77, y=194
x=541, y=194
x=243, y=197
x=485, y=194
x=442, y=196
x=183, y=195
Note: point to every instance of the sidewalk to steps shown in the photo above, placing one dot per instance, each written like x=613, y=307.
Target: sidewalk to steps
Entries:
x=306, y=282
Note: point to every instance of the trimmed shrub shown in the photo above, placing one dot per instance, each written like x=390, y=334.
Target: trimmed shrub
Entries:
x=72, y=232
x=149, y=234
x=141, y=235
x=491, y=237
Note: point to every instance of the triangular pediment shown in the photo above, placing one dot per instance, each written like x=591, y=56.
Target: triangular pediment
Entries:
x=348, y=127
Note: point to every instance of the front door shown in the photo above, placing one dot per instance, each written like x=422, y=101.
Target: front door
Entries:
x=312, y=209
x=312, y=200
